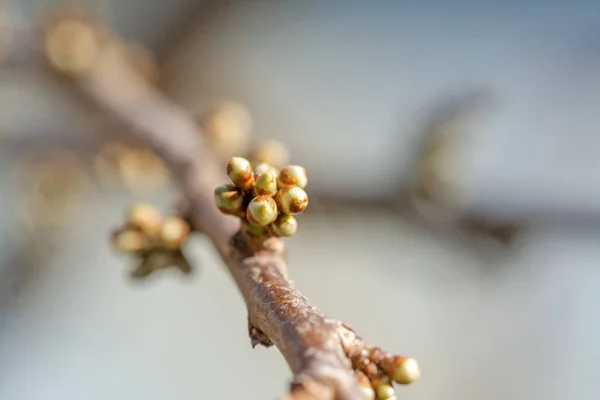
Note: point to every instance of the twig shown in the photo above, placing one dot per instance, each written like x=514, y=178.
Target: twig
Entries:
x=318, y=350
x=277, y=312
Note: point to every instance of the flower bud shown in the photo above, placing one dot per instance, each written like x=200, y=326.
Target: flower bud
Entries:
x=229, y=199
x=271, y=152
x=129, y=241
x=264, y=168
x=228, y=125
x=403, y=370
x=146, y=218
x=365, y=385
x=174, y=232
x=72, y=46
x=261, y=211
x=265, y=185
x=291, y=200
x=240, y=172
x=383, y=388
x=292, y=175
x=285, y=225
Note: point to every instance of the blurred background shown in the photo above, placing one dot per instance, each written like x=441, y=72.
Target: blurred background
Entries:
x=453, y=156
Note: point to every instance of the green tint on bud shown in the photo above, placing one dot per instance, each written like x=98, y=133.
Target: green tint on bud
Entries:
x=229, y=199
x=240, y=172
x=285, y=225
x=265, y=185
x=129, y=241
x=291, y=200
x=174, y=232
x=365, y=385
x=253, y=230
x=146, y=218
x=261, y=211
x=292, y=175
x=403, y=370
x=383, y=388
x=264, y=168
x=271, y=152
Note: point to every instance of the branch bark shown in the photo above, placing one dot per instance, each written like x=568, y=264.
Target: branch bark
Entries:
x=322, y=353
x=277, y=312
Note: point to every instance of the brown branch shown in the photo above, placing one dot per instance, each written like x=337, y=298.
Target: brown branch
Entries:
x=277, y=312
x=322, y=353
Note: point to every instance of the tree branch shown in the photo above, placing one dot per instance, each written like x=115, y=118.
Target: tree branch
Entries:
x=322, y=353
x=277, y=312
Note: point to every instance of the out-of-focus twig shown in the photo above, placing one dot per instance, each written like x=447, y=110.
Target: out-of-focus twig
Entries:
x=436, y=191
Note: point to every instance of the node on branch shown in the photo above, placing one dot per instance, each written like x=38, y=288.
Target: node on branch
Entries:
x=266, y=203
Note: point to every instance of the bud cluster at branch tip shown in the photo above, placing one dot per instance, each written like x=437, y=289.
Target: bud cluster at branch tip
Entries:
x=155, y=239
x=266, y=206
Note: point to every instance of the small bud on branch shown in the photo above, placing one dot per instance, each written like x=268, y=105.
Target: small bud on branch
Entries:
x=292, y=175
x=291, y=200
x=146, y=218
x=229, y=199
x=265, y=185
x=240, y=172
x=261, y=211
x=264, y=168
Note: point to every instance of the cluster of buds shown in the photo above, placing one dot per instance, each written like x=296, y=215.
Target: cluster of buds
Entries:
x=265, y=198
x=376, y=370
x=155, y=239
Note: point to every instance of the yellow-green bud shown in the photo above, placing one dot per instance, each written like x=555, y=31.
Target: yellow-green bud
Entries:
x=264, y=168
x=229, y=199
x=271, y=152
x=285, y=225
x=365, y=385
x=261, y=211
x=174, y=232
x=292, y=175
x=129, y=241
x=240, y=172
x=265, y=185
x=291, y=200
x=146, y=218
x=402, y=370
x=383, y=388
